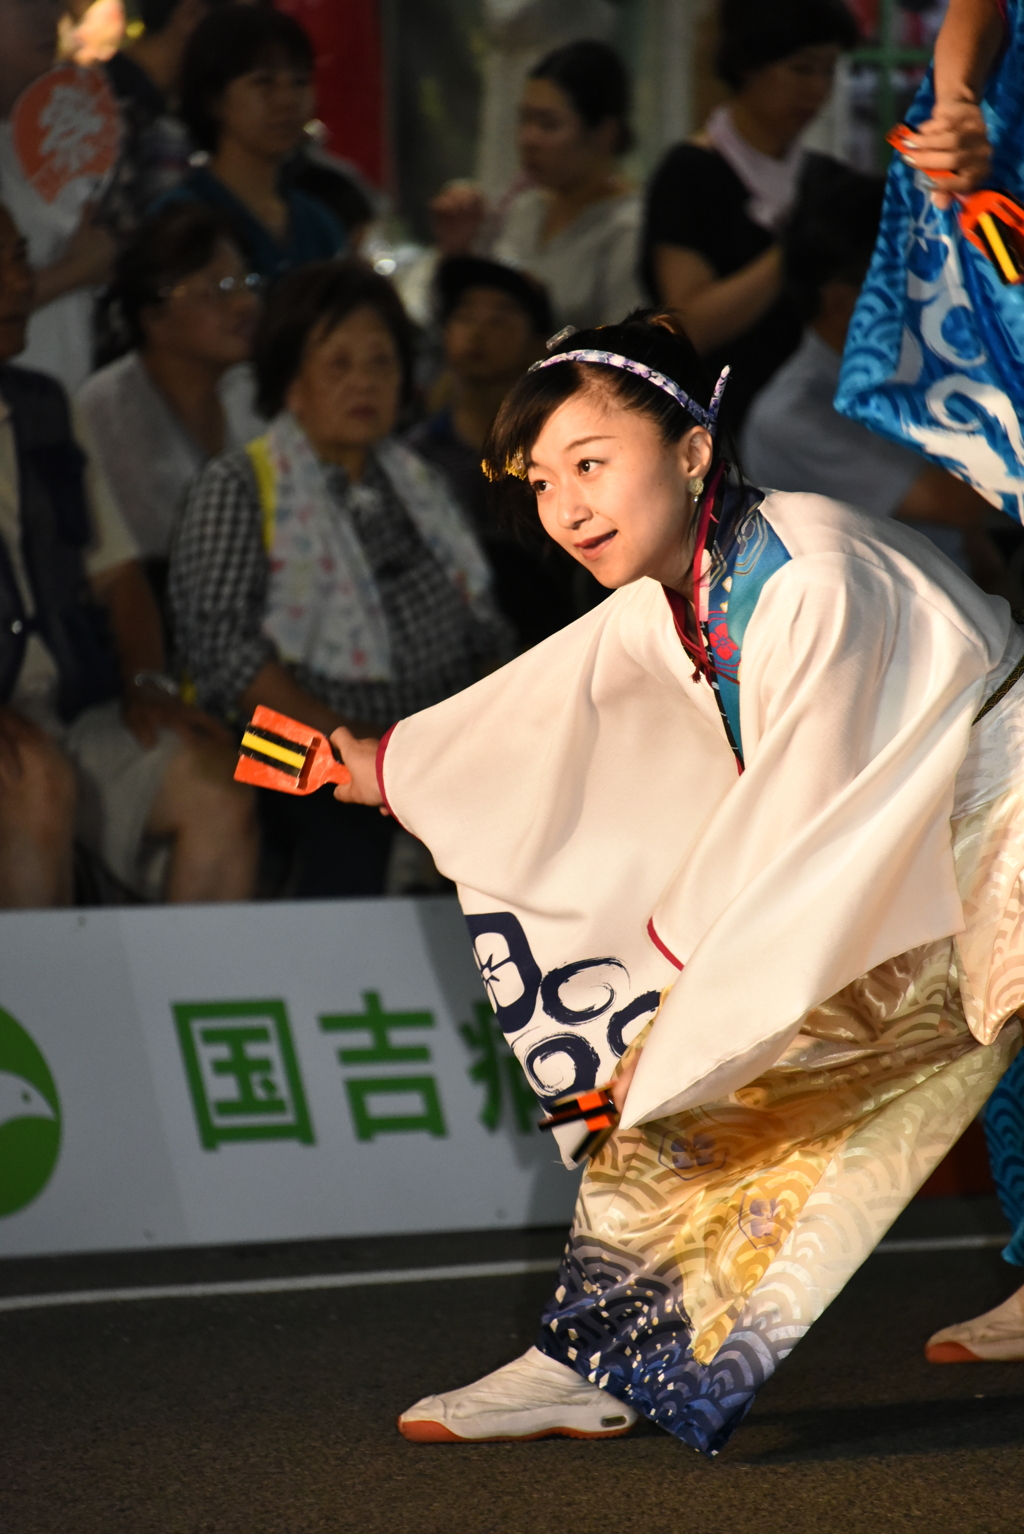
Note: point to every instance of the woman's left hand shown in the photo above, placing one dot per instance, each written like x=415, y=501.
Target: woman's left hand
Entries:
x=360, y=757
x=147, y=710
x=954, y=140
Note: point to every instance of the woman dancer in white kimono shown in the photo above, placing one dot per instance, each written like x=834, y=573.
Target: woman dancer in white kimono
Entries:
x=731, y=844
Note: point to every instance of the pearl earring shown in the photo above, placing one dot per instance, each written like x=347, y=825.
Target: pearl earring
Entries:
x=696, y=486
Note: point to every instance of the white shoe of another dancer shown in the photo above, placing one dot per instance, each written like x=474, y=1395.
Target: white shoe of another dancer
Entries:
x=995, y=1337
x=532, y=1397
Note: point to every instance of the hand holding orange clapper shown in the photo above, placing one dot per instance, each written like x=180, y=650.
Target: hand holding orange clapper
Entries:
x=992, y=221
x=278, y=752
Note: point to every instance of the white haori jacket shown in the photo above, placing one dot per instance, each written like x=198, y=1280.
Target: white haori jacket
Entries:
x=587, y=803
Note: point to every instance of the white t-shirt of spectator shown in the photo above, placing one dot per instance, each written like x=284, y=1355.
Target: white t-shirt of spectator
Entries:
x=793, y=439
x=147, y=456
x=59, y=334
x=589, y=268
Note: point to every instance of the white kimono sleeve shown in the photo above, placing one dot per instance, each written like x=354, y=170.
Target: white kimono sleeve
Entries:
x=833, y=852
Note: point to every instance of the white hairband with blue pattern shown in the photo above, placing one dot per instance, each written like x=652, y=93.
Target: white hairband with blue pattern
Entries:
x=706, y=418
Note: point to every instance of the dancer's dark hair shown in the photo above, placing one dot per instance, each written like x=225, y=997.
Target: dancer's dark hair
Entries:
x=657, y=340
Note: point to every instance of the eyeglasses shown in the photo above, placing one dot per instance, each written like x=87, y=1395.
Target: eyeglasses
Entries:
x=220, y=292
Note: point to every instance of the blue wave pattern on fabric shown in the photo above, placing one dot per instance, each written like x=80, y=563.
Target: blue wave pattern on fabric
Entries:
x=1004, y=1132
x=624, y=1331
x=934, y=359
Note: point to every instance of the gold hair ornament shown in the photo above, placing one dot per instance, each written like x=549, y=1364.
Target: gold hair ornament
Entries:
x=515, y=467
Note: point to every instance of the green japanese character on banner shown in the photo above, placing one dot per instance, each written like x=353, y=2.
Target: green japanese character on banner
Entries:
x=242, y=1071
x=377, y=1023
x=498, y=1072
x=422, y=1097
x=421, y=1112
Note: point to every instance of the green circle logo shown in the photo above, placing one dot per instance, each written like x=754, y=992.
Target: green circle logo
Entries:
x=29, y=1118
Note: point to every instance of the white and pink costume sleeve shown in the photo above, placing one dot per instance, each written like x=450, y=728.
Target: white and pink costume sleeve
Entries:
x=586, y=802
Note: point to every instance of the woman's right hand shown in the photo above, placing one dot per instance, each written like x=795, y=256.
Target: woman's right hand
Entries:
x=360, y=757
x=457, y=214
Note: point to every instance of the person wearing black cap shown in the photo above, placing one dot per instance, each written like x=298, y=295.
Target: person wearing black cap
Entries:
x=716, y=204
x=495, y=321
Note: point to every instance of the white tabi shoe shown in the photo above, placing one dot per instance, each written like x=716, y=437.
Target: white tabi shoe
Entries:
x=995, y=1337
x=532, y=1397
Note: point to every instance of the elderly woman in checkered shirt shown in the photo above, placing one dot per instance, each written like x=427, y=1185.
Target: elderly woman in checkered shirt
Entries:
x=325, y=570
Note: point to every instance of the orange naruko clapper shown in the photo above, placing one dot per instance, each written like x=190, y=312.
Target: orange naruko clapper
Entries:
x=994, y=224
x=278, y=752
x=595, y=1108
x=992, y=221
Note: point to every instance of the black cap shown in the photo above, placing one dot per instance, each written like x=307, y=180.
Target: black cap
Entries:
x=456, y=275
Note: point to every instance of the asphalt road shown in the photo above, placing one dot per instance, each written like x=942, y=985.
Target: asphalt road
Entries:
x=274, y=1413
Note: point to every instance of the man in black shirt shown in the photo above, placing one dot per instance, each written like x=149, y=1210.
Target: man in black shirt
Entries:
x=494, y=322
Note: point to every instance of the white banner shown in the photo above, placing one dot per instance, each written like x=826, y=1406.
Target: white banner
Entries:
x=204, y=1074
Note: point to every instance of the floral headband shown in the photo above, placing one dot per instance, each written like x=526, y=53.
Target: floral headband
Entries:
x=516, y=465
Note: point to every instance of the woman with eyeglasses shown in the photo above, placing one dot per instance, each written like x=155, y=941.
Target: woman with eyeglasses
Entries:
x=183, y=393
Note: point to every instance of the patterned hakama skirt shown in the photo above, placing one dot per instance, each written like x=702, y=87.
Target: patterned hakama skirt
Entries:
x=704, y=1245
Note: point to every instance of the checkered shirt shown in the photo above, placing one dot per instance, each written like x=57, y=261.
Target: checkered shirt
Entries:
x=218, y=592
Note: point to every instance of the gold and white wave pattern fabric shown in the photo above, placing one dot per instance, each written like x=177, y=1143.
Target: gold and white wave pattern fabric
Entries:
x=704, y=1245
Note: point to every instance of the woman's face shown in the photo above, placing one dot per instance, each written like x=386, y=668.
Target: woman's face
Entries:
x=613, y=494
x=786, y=96
x=208, y=316
x=266, y=110
x=347, y=392
x=556, y=148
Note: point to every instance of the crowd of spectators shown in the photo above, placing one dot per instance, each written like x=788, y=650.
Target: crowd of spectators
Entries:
x=234, y=472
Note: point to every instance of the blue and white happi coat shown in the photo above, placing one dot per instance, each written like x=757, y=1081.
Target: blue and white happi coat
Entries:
x=935, y=353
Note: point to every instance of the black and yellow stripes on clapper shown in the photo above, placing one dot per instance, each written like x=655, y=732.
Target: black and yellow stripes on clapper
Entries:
x=1002, y=247
x=274, y=750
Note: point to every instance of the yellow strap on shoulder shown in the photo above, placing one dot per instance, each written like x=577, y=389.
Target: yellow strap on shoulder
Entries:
x=266, y=484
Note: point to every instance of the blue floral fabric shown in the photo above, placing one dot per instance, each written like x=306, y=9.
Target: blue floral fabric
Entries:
x=746, y=554
x=934, y=359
